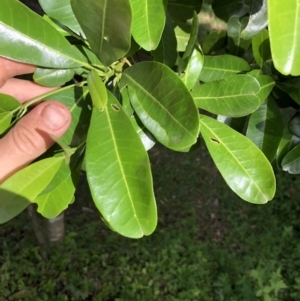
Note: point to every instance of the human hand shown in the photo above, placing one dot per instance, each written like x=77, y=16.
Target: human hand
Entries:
x=31, y=136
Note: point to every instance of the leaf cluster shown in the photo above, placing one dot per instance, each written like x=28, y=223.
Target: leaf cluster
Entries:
x=138, y=73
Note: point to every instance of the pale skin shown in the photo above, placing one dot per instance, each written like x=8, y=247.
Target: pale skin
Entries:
x=32, y=135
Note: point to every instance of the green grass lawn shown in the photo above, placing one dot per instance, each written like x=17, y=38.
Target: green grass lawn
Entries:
x=209, y=245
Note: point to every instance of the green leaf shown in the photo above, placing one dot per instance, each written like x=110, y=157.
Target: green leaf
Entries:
x=236, y=44
x=78, y=101
x=182, y=33
x=163, y=104
x=261, y=47
x=58, y=194
x=118, y=172
x=291, y=161
x=233, y=96
x=287, y=143
x=284, y=24
x=243, y=166
x=258, y=19
x=265, y=128
x=214, y=41
x=220, y=66
x=144, y=135
x=224, y=9
x=27, y=37
x=7, y=105
x=61, y=11
x=166, y=50
x=148, y=22
x=25, y=185
x=97, y=89
x=193, y=38
x=52, y=77
x=127, y=93
x=193, y=68
x=101, y=22
x=266, y=86
x=184, y=9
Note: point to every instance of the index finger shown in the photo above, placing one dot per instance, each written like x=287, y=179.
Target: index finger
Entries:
x=9, y=68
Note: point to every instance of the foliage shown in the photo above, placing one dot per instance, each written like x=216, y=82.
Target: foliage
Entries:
x=141, y=77
x=212, y=247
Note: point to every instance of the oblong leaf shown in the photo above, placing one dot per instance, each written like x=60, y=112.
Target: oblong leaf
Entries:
x=266, y=85
x=233, y=96
x=61, y=11
x=27, y=37
x=118, y=172
x=220, y=66
x=53, y=77
x=258, y=19
x=24, y=186
x=284, y=24
x=184, y=9
x=265, y=128
x=97, y=90
x=193, y=68
x=291, y=161
x=58, y=194
x=106, y=25
x=148, y=22
x=243, y=166
x=261, y=47
x=163, y=104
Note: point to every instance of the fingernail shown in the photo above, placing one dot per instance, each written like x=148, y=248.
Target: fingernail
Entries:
x=54, y=117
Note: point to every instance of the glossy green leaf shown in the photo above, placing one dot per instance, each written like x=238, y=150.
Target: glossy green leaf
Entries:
x=233, y=96
x=225, y=9
x=146, y=138
x=258, y=19
x=182, y=33
x=97, y=89
x=163, y=104
x=27, y=37
x=291, y=161
x=193, y=68
x=61, y=29
x=148, y=22
x=243, y=166
x=220, y=66
x=52, y=77
x=287, y=143
x=292, y=88
x=91, y=58
x=166, y=50
x=184, y=9
x=214, y=41
x=25, y=185
x=265, y=128
x=61, y=11
x=284, y=30
x=118, y=172
x=126, y=93
x=261, y=47
x=5, y=120
x=266, y=86
x=193, y=38
x=236, y=44
x=101, y=22
x=78, y=101
x=7, y=105
x=58, y=194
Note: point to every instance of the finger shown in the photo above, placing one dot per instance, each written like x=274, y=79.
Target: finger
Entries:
x=32, y=136
x=24, y=90
x=9, y=68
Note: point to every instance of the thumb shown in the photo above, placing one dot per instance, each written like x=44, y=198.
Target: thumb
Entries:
x=31, y=136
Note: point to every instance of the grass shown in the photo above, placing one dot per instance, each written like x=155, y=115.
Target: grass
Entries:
x=209, y=245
